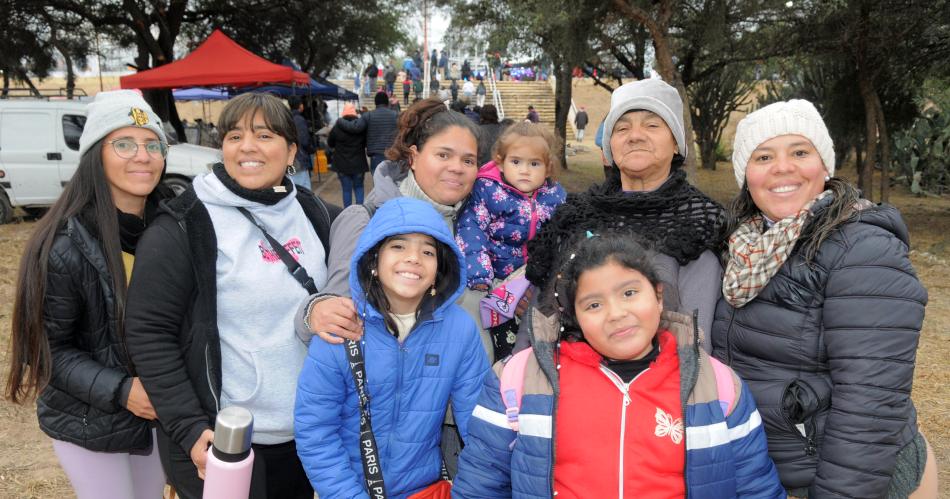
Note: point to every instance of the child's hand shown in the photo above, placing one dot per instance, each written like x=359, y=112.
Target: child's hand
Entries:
x=335, y=319
x=480, y=287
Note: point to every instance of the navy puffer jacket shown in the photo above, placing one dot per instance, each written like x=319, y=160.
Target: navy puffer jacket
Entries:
x=828, y=350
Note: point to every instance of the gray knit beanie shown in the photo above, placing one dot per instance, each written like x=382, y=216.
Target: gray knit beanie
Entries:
x=794, y=117
x=117, y=109
x=652, y=95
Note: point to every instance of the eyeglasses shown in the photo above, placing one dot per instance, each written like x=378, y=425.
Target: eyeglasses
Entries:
x=127, y=148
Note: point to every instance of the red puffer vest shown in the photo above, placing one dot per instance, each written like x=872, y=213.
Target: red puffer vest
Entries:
x=629, y=436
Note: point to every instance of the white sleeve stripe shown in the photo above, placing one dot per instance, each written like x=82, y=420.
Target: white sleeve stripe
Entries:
x=491, y=417
x=532, y=425
x=704, y=437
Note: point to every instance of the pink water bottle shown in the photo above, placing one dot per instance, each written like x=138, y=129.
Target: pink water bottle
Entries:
x=228, y=471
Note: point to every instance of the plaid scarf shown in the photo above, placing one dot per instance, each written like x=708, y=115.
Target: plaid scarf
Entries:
x=755, y=256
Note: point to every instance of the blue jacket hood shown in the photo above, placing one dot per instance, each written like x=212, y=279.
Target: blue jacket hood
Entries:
x=405, y=215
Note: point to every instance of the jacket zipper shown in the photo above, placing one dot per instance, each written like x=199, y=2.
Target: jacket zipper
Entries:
x=732, y=320
x=625, y=390
x=217, y=405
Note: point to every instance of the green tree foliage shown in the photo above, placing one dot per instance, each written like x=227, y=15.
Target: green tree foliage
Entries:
x=318, y=35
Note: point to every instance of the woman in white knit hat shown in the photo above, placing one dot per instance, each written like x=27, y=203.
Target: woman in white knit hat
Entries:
x=821, y=315
x=68, y=315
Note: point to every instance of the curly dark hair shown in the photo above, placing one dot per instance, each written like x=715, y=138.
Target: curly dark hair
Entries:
x=589, y=252
x=424, y=119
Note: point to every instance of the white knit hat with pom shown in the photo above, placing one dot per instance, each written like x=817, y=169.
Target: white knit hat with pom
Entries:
x=794, y=117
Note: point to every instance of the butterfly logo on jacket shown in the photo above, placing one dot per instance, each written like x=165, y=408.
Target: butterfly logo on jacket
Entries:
x=667, y=426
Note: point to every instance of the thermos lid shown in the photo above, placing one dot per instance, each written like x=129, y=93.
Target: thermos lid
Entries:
x=233, y=429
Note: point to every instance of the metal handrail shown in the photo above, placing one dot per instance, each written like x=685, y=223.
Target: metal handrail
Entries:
x=495, y=93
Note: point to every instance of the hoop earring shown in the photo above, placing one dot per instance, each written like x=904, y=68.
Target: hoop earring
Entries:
x=291, y=170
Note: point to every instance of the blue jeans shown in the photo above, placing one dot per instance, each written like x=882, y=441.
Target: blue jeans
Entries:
x=352, y=184
x=374, y=161
x=302, y=178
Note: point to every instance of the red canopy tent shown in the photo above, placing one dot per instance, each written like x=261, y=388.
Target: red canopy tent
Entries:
x=218, y=62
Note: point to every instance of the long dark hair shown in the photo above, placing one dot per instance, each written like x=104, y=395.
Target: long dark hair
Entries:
x=424, y=119
x=586, y=253
x=87, y=196
x=841, y=209
x=446, y=280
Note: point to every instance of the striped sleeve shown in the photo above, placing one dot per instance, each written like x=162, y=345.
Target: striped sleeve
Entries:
x=485, y=463
x=756, y=475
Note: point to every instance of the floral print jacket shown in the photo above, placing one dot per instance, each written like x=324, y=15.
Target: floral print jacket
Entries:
x=497, y=222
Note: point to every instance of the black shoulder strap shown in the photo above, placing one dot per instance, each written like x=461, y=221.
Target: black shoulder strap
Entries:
x=372, y=471
x=296, y=270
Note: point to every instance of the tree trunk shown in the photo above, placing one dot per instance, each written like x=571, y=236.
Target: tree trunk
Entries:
x=666, y=68
x=25, y=78
x=562, y=106
x=866, y=172
x=6, y=84
x=885, y=148
x=70, y=75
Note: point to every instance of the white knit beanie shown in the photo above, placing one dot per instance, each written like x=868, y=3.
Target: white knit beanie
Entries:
x=794, y=117
x=117, y=109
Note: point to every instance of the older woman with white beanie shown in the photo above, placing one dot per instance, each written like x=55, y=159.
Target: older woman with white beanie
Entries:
x=821, y=315
x=647, y=195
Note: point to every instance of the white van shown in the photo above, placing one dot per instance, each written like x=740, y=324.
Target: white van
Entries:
x=39, y=151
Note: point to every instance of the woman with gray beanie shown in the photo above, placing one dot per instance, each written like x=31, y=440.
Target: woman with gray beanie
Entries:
x=68, y=320
x=647, y=195
x=821, y=315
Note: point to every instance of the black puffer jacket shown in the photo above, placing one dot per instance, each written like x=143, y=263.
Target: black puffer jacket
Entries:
x=171, y=323
x=828, y=350
x=379, y=126
x=349, y=148
x=84, y=400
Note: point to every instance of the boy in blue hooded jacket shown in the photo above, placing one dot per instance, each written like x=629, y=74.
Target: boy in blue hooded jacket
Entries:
x=420, y=350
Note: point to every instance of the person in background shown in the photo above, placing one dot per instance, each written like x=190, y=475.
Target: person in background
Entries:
x=480, y=92
x=379, y=125
x=821, y=315
x=468, y=90
x=580, y=121
x=389, y=75
x=349, y=156
x=306, y=147
x=454, y=88
x=67, y=333
x=406, y=88
x=371, y=74
x=533, y=115
x=443, y=63
x=490, y=131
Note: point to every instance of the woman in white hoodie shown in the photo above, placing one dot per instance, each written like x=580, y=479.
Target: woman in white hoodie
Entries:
x=211, y=303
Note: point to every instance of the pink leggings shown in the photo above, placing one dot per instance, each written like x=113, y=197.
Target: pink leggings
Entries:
x=112, y=475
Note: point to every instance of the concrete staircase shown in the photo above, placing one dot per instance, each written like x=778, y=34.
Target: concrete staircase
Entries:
x=516, y=96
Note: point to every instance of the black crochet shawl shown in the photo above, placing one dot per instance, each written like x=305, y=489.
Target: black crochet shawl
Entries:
x=676, y=219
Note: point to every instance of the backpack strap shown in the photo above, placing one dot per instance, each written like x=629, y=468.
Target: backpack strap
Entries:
x=725, y=385
x=512, y=385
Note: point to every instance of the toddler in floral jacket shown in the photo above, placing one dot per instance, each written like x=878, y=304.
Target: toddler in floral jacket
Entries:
x=514, y=195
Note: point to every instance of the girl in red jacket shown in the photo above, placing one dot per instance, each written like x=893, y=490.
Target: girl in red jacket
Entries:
x=615, y=398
